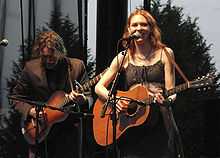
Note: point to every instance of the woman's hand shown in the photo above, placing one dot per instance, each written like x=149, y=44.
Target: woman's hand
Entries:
x=121, y=106
x=161, y=100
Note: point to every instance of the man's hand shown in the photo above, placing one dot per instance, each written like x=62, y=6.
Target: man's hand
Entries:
x=79, y=98
x=34, y=114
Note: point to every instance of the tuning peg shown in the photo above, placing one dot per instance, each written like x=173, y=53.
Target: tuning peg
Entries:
x=204, y=89
x=198, y=77
x=199, y=90
x=209, y=88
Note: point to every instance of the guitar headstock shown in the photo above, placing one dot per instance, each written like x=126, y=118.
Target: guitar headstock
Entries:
x=202, y=82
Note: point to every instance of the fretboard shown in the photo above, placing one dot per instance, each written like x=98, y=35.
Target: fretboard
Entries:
x=82, y=89
x=168, y=93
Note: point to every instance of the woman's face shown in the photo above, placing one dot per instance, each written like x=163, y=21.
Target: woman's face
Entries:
x=139, y=24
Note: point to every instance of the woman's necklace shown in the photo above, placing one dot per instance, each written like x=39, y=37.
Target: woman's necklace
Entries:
x=141, y=58
x=145, y=56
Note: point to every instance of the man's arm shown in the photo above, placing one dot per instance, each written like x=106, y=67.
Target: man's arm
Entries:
x=20, y=91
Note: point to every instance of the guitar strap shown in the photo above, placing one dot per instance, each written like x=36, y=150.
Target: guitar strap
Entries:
x=69, y=74
x=177, y=67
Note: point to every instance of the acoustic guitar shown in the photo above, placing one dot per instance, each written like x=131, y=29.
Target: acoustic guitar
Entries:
x=136, y=114
x=59, y=99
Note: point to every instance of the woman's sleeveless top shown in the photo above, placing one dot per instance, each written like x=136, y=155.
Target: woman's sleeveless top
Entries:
x=149, y=76
x=153, y=77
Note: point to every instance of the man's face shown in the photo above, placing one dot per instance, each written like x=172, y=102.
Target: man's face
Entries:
x=48, y=58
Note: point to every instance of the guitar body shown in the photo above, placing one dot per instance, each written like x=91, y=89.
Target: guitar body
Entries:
x=57, y=100
x=45, y=124
x=135, y=116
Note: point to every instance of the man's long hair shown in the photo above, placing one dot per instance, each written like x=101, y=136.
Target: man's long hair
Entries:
x=51, y=40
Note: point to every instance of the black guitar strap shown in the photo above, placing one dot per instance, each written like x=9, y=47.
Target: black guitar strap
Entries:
x=69, y=74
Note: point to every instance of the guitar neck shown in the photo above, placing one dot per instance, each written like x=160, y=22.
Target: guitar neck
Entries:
x=168, y=93
x=91, y=82
x=82, y=89
x=176, y=89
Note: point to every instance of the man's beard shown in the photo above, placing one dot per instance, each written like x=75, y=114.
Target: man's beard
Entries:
x=49, y=66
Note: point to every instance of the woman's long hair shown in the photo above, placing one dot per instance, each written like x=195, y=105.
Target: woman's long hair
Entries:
x=154, y=35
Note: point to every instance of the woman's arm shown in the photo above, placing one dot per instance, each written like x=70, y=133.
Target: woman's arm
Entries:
x=169, y=70
x=101, y=87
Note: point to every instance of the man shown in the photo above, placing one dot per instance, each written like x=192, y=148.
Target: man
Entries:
x=50, y=72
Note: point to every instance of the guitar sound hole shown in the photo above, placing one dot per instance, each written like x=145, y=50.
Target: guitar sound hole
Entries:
x=132, y=108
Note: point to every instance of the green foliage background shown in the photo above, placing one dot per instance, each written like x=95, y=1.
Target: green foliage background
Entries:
x=191, y=54
x=191, y=51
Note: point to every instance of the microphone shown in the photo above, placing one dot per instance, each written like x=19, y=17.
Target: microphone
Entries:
x=131, y=37
x=139, y=102
x=131, y=105
x=87, y=115
x=4, y=42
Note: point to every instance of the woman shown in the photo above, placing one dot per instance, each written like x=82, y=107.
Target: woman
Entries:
x=146, y=64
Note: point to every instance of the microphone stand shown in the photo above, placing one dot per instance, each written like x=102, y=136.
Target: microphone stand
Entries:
x=113, y=92
x=39, y=107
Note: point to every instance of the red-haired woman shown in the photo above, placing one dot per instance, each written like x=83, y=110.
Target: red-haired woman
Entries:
x=146, y=64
